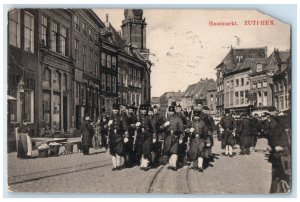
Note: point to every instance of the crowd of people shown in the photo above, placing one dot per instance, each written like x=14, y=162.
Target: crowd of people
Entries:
x=144, y=137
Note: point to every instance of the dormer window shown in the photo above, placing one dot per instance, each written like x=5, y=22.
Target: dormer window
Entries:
x=239, y=58
x=258, y=67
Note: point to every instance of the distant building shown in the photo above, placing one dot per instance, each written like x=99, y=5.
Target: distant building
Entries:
x=238, y=64
x=281, y=64
x=155, y=101
x=205, y=90
x=168, y=98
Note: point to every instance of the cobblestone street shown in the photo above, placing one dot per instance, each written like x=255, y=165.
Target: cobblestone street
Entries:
x=92, y=174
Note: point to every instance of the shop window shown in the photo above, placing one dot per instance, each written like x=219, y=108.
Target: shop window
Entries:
x=46, y=81
x=46, y=109
x=56, y=81
x=56, y=111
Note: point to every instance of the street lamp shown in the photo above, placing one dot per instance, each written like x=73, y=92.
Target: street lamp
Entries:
x=21, y=86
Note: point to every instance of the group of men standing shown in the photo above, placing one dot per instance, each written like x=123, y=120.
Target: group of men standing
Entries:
x=146, y=138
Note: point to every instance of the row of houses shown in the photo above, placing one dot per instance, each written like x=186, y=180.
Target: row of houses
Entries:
x=248, y=79
x=204, y=91
x=66, y=63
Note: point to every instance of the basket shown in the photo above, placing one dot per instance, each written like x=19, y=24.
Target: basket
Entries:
x=54, y=150
x=69, y=148
x=43, y=153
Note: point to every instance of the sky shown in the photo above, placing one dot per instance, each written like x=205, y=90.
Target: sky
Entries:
x=184, y=48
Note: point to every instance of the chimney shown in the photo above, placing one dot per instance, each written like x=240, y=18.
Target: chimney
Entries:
x=106, y=17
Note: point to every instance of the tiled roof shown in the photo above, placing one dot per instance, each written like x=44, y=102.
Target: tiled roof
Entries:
x=199, y=90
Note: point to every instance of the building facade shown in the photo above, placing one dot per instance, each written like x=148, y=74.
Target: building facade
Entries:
x=63, y=65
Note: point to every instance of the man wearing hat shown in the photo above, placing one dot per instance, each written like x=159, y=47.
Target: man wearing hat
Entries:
x=245, y=134
x=130, y=153
x=117, y=129
x=144, y=138
x=227, y=123
x=181, y=147
x=211, y=130
x=87, y=133
x=173, y=136
x=198, y=139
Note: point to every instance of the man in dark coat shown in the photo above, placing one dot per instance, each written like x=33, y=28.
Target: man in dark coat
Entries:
x=87, y=133
x=182, y=147
x=199, y=138
x=280, y=154
x=173, y=136
x=245, y=134
x=255, y=129
x=131, y=120
x=117, y=129
x=211, y=130
x=144, y=138
x=227, y=123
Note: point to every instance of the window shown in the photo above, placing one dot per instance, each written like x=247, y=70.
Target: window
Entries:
x=231, y=97
x=44, y=30
x=28, y=32
x=242, y=97
x=247, y=81
x=84, y=57
x=97, y=70
x=246, y=97
x=91, y=61
x=237, y=82
x=46, y=78
x=54, y=35
x=242, y=81
x=211, y=98
x=265, y=83
x=254, y=85
x=56, y=80
x=103, y=82
x=124, y=77
x=108, y=83
x=108, y=61
x=113, y=62
x=114, y=87
x=259, y=67
x=134, y=77
x=77, y=90
x=139, y=79
x=237, y=99
x=90, y=34
x=258, y=84
x=76, y=22
x=14, y=27
x=120, y=76
x=231, y=83
x=76, y=55
x=279, y=87
x=103, y=59
x=46, y=109
x=84, y=29
x=63, y=41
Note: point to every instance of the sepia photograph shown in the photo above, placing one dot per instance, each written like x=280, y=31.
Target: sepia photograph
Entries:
x=148, y=101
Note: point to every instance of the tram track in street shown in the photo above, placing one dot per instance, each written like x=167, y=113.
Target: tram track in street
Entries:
x=56, y=172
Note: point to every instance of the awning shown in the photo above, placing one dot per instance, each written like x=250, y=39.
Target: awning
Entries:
x=11, y=98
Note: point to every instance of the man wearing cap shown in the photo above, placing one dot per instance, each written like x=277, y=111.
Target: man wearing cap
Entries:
x=144, y=138
x=198, y=139
x=173, y=136
x=245, y=134
x=87, y=133
x=117, y=129
x=255, y=130
x=227, y=123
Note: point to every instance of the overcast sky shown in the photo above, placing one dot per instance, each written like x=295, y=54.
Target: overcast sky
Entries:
x=185, y=49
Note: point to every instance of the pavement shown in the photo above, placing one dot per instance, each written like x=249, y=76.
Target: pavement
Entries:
x=76, y=173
